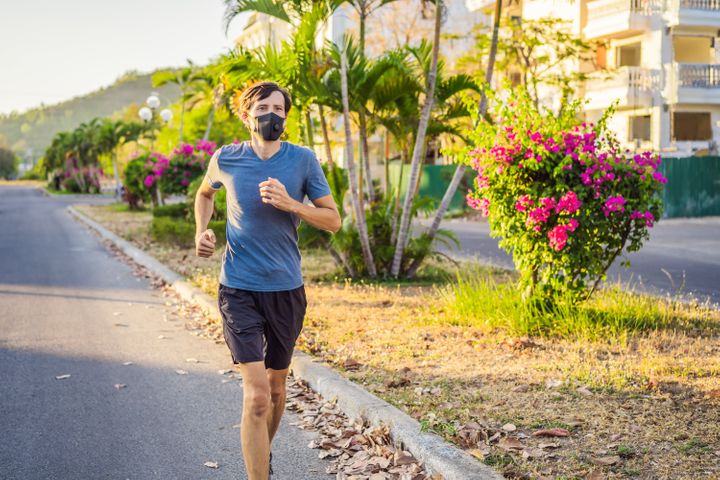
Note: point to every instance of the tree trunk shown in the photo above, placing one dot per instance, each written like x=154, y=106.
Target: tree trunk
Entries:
x=117, y=175
x=386, y=163
x=352, y=176
x=211, y=118
x=396, y=210
x=182, y=115
x=404, y=232
x=326, y=138
x=309, y=129
x=482, y=110
x=364, y=150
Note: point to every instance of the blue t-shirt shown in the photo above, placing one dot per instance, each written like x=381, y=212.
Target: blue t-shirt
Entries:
x=261, y=253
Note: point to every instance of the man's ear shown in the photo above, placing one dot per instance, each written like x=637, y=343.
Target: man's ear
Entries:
x=245, y=117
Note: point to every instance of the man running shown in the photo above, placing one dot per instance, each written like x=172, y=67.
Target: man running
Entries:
x=261, y=294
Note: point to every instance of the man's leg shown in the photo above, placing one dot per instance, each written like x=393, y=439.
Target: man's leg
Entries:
x=277, y=379
x=254, y=424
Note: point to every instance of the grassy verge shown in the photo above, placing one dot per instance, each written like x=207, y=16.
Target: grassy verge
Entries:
x=634, y=399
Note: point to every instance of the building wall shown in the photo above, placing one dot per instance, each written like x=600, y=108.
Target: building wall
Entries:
x=668, y=35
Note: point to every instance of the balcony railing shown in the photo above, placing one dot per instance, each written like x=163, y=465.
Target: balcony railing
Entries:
x=698, y=75
x=602, y=8
x=712, y=5
x=637, y=79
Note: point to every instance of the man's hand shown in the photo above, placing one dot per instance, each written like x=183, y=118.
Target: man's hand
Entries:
x=205, y=243
x=274, y=193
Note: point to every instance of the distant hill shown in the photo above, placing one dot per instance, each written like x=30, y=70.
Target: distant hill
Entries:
x=29, y=133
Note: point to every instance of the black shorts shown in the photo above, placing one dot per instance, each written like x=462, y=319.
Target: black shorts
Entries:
x=262, y=325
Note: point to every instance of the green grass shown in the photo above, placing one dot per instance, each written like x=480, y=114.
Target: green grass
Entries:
x=694, y=446
x=478, y=299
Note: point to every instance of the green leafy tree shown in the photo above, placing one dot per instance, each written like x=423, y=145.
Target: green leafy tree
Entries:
x=8, y=163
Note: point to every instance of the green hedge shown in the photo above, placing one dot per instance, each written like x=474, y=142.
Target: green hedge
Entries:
x=181, y=233
x=176, y=210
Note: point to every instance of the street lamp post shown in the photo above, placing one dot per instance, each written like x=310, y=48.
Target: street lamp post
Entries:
x=146, y=114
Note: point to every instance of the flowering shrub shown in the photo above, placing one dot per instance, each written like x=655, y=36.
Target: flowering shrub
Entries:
x=187, y=163
x=80, y=179
x=147, y=172
x=561, y=194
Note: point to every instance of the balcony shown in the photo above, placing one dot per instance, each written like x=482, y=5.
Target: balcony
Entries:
x=619, y=18
x=632, y=87
x=694, y=13
x=696, y=83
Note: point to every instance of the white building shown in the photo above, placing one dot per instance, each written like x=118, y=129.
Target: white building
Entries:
x=667, y=66
x=390, y=26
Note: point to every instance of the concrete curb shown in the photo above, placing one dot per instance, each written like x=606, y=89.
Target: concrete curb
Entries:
x=438, y=455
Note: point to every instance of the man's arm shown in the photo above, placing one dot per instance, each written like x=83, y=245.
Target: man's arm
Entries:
x=204, y=203
x=323, y=215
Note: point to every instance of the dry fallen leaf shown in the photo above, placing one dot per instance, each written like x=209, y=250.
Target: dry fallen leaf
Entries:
x=223, y=372
x=63, y=377
x=192, y=360
x=161, y=336
x=403, y=458
x=510, y=443
x=181, y=372
x=532, y=453
x=606, y=461
x=211, y=464
x=549, y=445
x=595, y=475
x=584, y=391
x=351, y=364
x=552, y=432
x=121, y=325
x=509, y=427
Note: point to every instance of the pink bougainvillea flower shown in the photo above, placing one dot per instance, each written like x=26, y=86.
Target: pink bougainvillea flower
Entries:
x=523, y=202
x=149, y=180
x=569, y=203
x=614, y=204
x=658, y=177
x=558, y=237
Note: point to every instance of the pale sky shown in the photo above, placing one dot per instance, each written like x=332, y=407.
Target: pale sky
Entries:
x=53, y=50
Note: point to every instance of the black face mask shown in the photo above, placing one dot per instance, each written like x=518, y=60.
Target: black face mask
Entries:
x=270, y=126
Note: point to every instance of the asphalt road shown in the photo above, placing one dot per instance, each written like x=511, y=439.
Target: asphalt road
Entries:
x=682, y=256
x=61, y=296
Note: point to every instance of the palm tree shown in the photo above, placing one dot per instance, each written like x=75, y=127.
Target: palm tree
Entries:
x=207, y=87
x=482, y=110
x=354, y=188
x=403, y=234
x=111, y=135
x=181, y=77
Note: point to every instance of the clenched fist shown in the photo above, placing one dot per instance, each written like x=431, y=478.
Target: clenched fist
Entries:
x=272, y=191
x=205, y=243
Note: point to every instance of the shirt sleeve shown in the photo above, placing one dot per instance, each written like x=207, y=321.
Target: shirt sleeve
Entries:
x=316, y=185
x=212, y=177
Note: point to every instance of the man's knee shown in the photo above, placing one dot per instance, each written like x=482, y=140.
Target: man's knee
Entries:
x=277, y=392
x=258, y=403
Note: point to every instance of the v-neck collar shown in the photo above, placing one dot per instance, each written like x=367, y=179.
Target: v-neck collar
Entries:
x=281, y=150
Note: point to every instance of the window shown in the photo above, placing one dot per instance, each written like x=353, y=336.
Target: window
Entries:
x=628, y=55
x=690, y=126
x=640, y=128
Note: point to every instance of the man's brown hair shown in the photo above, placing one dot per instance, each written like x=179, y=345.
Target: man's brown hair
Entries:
x=243, y=101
